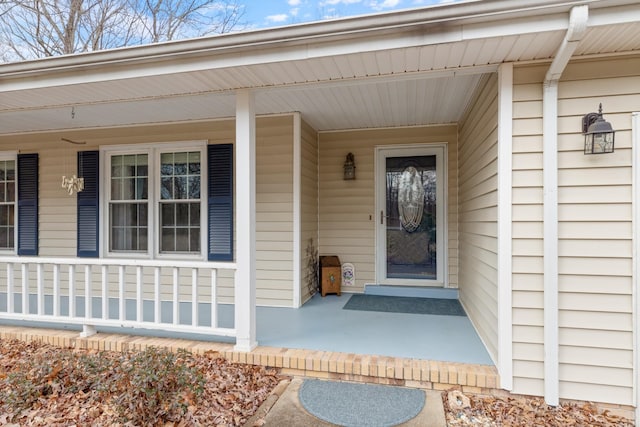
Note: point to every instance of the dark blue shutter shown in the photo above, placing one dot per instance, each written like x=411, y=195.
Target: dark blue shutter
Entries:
x=28, y=204
x=220, y=202
x=88, y=204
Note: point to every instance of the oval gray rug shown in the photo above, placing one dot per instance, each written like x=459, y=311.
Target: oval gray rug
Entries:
x=360, y=405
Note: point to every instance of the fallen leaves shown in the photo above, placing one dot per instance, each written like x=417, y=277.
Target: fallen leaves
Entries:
x=490, y=411
x=43, y=385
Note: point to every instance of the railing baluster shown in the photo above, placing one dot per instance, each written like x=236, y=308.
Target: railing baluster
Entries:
x=56, y=290
x=72, y=290
x=105, y=292
x=40, y=288
x=157, y=313
x=122, y=314
x=10, y=288
x=176, y=299
x=194, y=297
x=214, y=298
x=139, y=294
x=88, y=297
x=25, y=288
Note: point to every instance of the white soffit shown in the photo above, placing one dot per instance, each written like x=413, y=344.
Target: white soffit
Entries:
x=423, y=74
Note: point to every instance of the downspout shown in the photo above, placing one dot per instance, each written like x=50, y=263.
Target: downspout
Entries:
x=577, y=26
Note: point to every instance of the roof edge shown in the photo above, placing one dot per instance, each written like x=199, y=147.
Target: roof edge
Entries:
x=465, y=12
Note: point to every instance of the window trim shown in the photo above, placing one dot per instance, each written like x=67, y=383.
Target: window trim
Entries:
x=12, y=155
x=154, y=151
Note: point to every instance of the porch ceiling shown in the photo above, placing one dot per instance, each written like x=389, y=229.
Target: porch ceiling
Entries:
x=418, y=74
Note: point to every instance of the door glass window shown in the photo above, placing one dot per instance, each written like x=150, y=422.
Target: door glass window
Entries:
x=411, y=217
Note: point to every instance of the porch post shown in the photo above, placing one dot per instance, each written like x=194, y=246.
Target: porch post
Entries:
x=245, y=174
x=505, y=235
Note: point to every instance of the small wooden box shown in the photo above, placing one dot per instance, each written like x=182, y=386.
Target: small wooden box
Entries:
x=330, y=275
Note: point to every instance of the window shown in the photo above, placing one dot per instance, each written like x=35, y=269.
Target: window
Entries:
x=7, y=204
x=154, y=202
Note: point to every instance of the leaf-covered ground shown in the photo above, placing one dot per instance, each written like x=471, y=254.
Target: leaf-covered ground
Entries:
x=43, y=385
x=485, y=411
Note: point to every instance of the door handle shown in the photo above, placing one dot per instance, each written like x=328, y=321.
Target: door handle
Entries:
x=381, y=217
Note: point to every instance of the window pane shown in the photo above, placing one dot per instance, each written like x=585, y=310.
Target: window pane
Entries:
x=194, y=187
x=180, y=161
x=167, y=214
x=195, y=239
x=182, y=239
x=143, y=238
x=143, y=215
x=4, y=238
x=11, y=231
x=182, y=214
x=180, y=187
x=128, y=189
x=116, y=189
x=3, y=194
x=4, y=215
x=167, y=243
x=116, y=166
x=194, y=214
x=11, y=170
x=117, y=238
x=11, y=191
x=129, y=163
x=141, y=188
x=166, y=188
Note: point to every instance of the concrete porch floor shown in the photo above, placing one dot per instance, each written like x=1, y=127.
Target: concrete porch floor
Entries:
x=322, y=340
x=322, y=324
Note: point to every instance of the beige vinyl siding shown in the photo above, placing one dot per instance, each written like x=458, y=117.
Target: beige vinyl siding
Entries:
x=274, y=211
x=527, y=229
x=308, y=204
x=347, y=208
x=477, y=201
x=595, y=233
x=274, y=198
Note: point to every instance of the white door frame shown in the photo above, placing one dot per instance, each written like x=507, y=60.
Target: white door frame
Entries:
x=381, y=153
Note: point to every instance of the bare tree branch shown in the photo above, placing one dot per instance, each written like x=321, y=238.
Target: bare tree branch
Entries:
x=39, y=28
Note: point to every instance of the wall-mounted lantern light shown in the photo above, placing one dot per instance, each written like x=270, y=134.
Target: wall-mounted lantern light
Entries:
x=349, y=167
x=599, y=136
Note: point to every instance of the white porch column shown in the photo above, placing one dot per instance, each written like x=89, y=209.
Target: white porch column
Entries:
x=245, y=174
x=505, y=235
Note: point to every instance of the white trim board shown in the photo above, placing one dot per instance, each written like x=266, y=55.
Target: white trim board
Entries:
x=297, y=213
x=505, y=235
x=635, y=167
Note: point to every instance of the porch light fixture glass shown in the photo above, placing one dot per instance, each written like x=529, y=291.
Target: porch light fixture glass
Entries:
x=350, y=167
x=599, y=136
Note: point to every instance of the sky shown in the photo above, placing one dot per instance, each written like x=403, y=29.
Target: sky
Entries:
x=274, y=13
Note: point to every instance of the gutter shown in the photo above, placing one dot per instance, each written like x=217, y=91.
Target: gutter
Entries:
x=422, y=21
x=578, y=18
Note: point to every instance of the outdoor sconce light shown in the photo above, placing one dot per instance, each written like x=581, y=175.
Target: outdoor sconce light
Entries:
x=598, y=134
x=349, y=167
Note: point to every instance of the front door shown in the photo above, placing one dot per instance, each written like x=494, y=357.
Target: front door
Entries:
x=411, y=215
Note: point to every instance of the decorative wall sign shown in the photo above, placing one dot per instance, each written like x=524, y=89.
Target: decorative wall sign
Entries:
x=410, y=199
x=348, y=274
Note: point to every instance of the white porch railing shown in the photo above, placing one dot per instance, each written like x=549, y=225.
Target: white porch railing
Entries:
x=152, y=294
